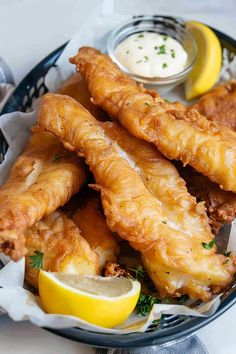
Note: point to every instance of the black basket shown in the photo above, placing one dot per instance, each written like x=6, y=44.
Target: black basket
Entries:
x=171, y=328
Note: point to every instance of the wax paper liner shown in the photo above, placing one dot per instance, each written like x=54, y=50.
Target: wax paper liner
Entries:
x=20, y=303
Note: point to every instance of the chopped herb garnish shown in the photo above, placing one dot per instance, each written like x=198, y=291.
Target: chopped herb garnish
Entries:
x=227, y=254
x=147, y=104
x=226, y=261
x=165, y=37
x=183, y=298
x=164, y=65
x=172, y=53
x=140, y=35
x=156, y=322
x=162, y=49
x=36, y=260
x=139, y=61
x=164, y=222
x=146, y=58
x=127, y=51
x=145, y=303
x=209, y=245
x=138, y=271
x=56, y=158
x=168, y=101
x=140, y=47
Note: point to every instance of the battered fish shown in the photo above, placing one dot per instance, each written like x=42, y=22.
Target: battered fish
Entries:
x=77, y=87
x=178, y=134
x=177, y=262
x=220, y=204
x=91, y=221
x=42, y=179
x=219, y=104
x=64, y=249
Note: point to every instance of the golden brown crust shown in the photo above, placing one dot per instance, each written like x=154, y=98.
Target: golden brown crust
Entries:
x=43, y=178
x=219, y=104
x=176, y=260
x=91, y=221
x=77, y=88
x=64, y=249
x=220, y=204
x=178, y=134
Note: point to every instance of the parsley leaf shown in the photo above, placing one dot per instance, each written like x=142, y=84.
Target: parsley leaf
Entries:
x=138, y=271
x=209, y=245
x=164, y=65
x=140, y=35
x=165, y=37
x=127, y=51
x=146, y=58
x=140, y=47
x=37, y=260
x=56, y=158
x=145, y=303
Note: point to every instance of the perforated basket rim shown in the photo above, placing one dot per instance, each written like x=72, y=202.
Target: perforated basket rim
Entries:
x=134, y=340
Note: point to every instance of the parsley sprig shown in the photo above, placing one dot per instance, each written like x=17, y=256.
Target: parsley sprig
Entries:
x=139, y=272
x=145, y=303
x=37, y=260
x=208, y=246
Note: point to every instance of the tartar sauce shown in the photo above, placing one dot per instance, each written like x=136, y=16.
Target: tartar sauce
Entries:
x=151, y=54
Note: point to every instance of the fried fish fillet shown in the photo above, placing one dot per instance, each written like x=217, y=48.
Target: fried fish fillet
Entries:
x=220, y=204
x=42, y=179
x=176, y=261
x=219, y=104
x=163, y=181
x=63, y=247
x=91, y=221
x=77, y=87
x=178, y=134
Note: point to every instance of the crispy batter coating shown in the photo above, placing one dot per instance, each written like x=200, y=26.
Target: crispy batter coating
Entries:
x=77, y=87
x=178, y=134
x=91, y=221
x=177, y=261
x=42, y=179
x=163, y=181
x=219, y=104
x=64, y=249
x=220, y=204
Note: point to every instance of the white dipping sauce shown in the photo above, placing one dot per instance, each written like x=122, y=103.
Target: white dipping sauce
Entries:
x=151, y=54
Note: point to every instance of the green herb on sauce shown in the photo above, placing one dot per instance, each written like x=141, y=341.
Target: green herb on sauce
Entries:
x=162, y=49
x=164, y=65
x=172, y=53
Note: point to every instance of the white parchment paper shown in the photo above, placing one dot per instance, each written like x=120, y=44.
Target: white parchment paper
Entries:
x=19, y=303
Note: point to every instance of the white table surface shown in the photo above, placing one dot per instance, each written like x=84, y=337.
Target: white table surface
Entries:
x=29, y=30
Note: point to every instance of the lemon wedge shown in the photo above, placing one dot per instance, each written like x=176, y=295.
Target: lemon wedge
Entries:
x=208, y=64
x=105, y=302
